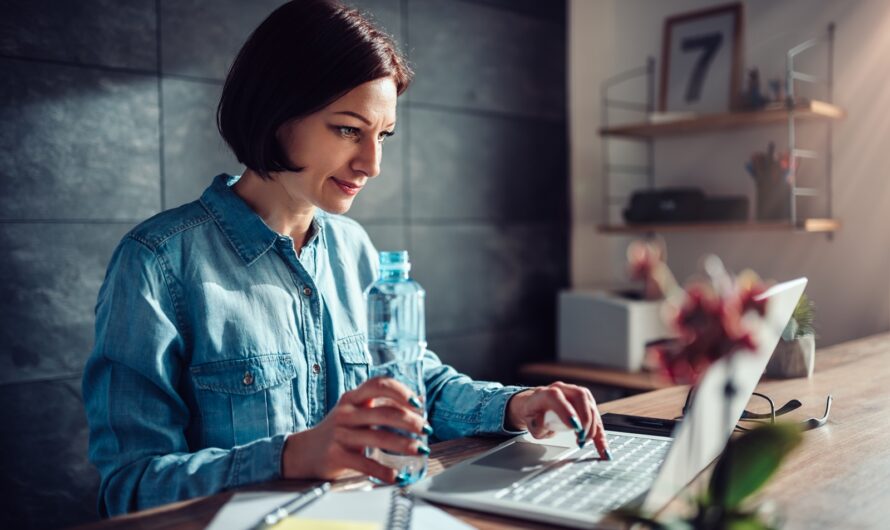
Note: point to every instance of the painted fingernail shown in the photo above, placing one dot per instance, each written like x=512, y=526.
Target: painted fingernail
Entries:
x=576, y=424
x=581, y=442
x=427, y=429
x=608, y=455
x=423, y=450
x=414, y=402
x=402, y=478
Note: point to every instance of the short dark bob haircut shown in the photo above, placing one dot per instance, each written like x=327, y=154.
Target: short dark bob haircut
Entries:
x=304, y=56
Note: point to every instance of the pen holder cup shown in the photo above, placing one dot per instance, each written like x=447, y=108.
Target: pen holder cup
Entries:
x=773, y=200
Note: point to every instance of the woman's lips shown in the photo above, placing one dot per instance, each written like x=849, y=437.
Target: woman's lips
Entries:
x=346, y=187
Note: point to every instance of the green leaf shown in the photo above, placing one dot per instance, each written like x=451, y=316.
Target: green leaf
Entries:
x=635, y=517
x=748, y=521
x=803, y=316
x=749, y=461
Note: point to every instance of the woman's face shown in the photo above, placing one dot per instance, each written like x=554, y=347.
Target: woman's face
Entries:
x=338, y=147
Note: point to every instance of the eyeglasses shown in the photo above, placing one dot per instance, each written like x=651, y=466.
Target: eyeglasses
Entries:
x=749, y=416
x=805, y=425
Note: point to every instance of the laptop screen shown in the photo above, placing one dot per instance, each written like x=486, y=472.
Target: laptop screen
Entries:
x=709, y=422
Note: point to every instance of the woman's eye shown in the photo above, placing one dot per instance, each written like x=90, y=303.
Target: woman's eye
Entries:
x=348, y=132
x=385, y=135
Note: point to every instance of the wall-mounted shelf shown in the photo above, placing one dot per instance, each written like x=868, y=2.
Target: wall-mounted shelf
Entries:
x=812, y=225
x=790, y=112
x=778, y=115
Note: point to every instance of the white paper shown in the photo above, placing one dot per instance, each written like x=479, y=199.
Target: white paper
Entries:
x=244, y=510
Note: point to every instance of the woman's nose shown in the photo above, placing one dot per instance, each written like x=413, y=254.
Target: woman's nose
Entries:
x=368, y=158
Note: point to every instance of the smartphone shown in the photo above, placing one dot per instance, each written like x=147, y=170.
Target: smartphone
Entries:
x=638, y=424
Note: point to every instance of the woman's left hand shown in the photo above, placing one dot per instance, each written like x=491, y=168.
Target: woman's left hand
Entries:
x=574, y=405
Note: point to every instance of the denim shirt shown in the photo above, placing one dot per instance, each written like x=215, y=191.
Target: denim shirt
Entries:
x=214, y=340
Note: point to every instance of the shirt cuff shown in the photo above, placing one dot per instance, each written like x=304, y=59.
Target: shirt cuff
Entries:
x=258, y=461
x=494, y=411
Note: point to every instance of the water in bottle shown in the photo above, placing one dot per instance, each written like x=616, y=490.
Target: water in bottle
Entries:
x=397, y=341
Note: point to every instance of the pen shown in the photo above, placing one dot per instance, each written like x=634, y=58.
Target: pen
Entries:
x=292, y=506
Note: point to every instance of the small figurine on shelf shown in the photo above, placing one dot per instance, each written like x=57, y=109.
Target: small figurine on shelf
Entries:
x=770, y=172
x=752, y=98
x=777, y=90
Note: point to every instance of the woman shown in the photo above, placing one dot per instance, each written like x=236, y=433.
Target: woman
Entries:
x=229, y=336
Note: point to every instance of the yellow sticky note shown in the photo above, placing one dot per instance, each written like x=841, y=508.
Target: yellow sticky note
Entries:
x=298, y=523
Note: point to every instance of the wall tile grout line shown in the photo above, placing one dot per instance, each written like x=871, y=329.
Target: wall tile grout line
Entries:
x=72, y=221
x=406, y=148
x=193, y=78
x=424, y=222
x=461, y=333
x=512, y=10
x=162, y=176
x=46, y=379
x=494, y=223
x=85, y=66
x=219, y=82
x=117, y=69
x=378, y=221
x=487, y=113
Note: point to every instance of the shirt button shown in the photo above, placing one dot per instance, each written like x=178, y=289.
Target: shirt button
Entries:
x=307, y=291
x=248, y=379
x=316, y=369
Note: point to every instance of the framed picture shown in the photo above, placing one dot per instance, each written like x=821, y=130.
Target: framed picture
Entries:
x=701, y=60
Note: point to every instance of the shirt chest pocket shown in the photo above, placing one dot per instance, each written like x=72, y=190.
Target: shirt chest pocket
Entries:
x=242, y=400
x=354, y=359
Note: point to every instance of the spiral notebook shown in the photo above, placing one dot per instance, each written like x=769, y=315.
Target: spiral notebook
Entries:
x=377, y=509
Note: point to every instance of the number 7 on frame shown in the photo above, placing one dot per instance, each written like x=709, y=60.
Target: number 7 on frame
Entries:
x=701, y=64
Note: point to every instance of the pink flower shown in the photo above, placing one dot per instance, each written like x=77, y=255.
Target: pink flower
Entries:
x=646, y=263
x=709, y=327
x=708, y=316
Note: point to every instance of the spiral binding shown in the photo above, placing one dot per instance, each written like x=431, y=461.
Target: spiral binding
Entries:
x=400, y=509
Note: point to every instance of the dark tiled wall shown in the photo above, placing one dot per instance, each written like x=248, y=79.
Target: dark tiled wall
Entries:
x=107, y=117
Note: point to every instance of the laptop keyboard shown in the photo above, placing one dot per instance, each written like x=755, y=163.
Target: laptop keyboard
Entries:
x=584, y=483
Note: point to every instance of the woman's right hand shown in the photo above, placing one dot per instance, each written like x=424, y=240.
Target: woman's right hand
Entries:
x=337, y=444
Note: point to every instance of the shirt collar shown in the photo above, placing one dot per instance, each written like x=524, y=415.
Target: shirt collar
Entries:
x=248, y=234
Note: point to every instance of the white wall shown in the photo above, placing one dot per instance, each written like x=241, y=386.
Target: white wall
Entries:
x=850, y=275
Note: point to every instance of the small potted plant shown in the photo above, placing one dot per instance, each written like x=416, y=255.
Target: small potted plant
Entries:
x=795, y=355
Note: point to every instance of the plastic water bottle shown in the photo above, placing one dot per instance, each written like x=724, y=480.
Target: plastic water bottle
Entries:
x=397, y=342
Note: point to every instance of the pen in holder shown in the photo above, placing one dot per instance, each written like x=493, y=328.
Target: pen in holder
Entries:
x=770, y=172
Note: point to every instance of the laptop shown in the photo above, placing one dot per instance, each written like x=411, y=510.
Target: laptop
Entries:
x=552, y=481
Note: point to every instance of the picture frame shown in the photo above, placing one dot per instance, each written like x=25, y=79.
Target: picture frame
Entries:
x=701, y=60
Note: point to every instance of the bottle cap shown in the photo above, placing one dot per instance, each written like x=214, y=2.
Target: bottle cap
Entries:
x=395, y=260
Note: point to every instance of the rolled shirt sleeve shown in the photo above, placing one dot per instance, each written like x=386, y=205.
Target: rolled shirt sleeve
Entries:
x=459, y=406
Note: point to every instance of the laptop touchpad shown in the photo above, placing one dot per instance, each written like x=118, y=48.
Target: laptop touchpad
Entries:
x=521, y=456
x=497, y=470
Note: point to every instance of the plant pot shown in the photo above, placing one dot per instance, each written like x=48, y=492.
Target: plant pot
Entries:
x=794, y=358
x=608, y=328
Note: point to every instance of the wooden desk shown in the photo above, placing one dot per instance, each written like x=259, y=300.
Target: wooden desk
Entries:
x=606, y=384
x=838, y=478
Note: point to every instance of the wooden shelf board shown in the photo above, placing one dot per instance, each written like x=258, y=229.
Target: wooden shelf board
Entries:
x=597, y=375
x=809, y=225
x=727, y=120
